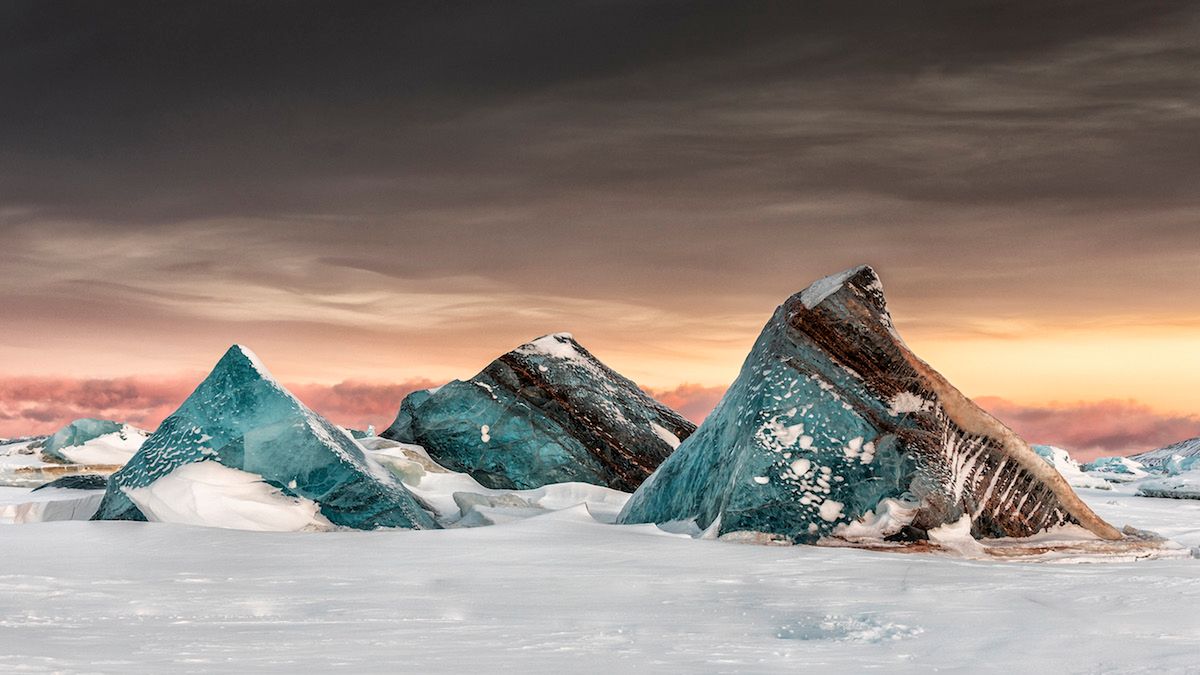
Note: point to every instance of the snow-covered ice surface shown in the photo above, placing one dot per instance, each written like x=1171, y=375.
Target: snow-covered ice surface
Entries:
x=564, y=592
x=20, y=505
x=1184, y=485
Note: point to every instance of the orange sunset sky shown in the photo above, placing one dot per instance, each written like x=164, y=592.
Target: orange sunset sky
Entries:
x=389, y=200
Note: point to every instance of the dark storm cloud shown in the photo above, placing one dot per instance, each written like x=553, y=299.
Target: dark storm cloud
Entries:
x=153, y=112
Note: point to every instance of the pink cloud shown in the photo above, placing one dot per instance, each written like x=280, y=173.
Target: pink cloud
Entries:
x=1092, y=429
x=41, y=405
x=31, y=405
x=358, y=404
x=693, y=401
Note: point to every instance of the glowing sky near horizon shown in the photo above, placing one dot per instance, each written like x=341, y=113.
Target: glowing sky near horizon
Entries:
x=401, y=193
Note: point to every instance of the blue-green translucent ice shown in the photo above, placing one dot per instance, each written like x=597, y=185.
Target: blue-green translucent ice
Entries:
x=242, y=418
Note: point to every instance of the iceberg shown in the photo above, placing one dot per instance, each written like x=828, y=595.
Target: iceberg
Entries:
x=1116, y=469
x=94, y=441
x=1070, y=469
x=546, y=412
x=240, y=438
x=834, y=425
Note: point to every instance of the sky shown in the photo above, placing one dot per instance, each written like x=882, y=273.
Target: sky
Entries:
x=381, y=196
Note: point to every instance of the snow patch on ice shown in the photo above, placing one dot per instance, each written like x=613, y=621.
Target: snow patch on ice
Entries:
x=667, y=437
x=444, y=491
x=210, y=494
x=556, y=345
x=908, y=402
x=888, y=518
x=800, y=467
x=256, y=363
x=776, y=436
x=822, y=288
x=830, y=510
x=957, y=537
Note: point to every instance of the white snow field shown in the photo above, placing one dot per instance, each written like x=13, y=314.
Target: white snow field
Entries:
x=562, y=592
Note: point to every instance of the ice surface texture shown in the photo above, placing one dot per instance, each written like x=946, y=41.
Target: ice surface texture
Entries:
x=239, y=416
x=546, y=412
x=832, y=414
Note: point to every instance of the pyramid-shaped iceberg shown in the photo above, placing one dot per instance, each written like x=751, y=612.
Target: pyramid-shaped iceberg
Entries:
x=261, y=436
x=546, y=412
x=834, y=427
